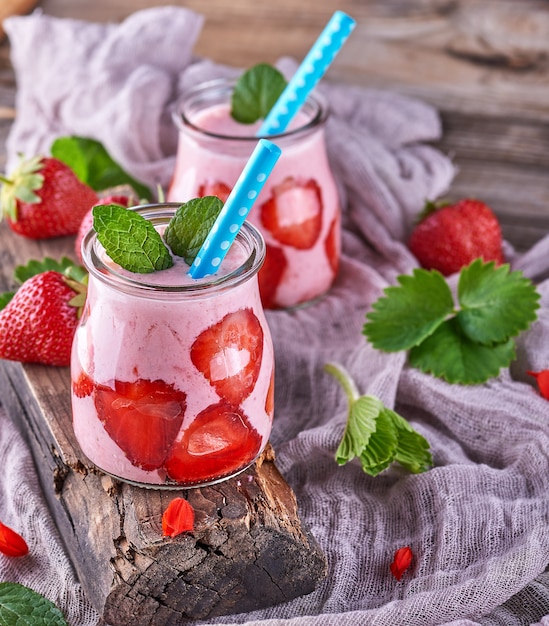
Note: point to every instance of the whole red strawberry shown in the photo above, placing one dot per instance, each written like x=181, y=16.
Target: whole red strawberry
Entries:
x=43, y=198
x=38, y=324
x=451, y=236
x=87, y=221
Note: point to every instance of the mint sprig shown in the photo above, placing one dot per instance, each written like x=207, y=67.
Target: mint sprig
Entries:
x=378, y=436
x=256, y=92
x=467, y=344
x=190, y=225
x=20, y=605
x=130, y=240
x=94, y=166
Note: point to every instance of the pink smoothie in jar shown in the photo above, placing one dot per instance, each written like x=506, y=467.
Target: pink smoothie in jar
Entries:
x=298, y=211
x=173, y=378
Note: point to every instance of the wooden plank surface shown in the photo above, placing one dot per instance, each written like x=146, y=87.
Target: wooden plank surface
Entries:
x=483, y=64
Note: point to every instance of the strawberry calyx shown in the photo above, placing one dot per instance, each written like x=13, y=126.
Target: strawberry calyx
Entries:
x=22, y=184
x=80, y=287
x=431, y=207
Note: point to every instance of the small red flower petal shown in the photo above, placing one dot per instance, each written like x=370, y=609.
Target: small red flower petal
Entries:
x=11, y=543
x=542, y=379
x=178, y=518
x=401, y=562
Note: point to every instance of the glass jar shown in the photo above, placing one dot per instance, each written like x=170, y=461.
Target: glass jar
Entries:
x=298, y=211
x=172, y=378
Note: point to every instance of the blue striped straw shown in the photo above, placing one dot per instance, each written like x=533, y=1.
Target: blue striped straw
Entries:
x=236, y=209
x=311, y=70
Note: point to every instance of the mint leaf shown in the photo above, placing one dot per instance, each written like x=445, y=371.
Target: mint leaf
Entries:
x=495, y=304
x=65, y=266
x=256, y=92
x=190, y=225
x=20, y=606
x=448, y=353
x=130, y=240
x=375, y=434
x=93, y=165
x=409, y=313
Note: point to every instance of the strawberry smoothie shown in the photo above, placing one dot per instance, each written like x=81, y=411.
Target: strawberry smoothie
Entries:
x=298, y=211
x=172, y=378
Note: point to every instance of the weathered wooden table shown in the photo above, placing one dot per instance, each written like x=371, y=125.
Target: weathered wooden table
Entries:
x=484, y=65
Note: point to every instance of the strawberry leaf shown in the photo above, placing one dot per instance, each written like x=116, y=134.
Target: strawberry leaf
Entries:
x=495, y=304
x=65, y=266
x=382, y=446
x=409, y=313
x=5, y=298
x=256, y=92
x=190, y=225
x=130, y=240
x=448, y=353
x=93, y=165
x=21, y=605
x=413, y=449
x=377, y=435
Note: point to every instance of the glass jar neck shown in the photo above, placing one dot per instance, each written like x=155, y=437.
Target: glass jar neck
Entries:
x=102, y=268
x=189, y=115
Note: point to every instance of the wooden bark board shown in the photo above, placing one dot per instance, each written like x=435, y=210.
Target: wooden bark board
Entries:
x=248, y=549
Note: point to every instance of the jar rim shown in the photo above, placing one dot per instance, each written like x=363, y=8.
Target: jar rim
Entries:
x=248, y=236
x=183, y=123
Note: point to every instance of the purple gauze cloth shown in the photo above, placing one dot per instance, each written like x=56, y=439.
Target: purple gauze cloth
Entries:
x=477, y=522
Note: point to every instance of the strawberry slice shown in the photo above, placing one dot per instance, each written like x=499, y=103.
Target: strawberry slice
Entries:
x=218, y=443
x=270, y=275
x=293, y=213
x=217, y=188
x=83, y=386
x=332, y=245
x=269, y=400
x=142, y=417
x=229, y=354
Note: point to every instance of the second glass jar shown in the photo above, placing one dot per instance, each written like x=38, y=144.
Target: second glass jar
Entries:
x=298, y=211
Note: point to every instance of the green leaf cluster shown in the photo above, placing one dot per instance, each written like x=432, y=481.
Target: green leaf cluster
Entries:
x=256, y=92
x=467, y=344
x=20, y=606
x=94, y=166
x=376, y=435
x=132, y=241
x=65, y=266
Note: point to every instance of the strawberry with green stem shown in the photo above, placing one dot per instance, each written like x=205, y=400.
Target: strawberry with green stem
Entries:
x=38, y=324
x=43, y=198
x=451, y=236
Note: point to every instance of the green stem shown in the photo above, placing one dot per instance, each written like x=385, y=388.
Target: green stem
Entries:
x=344, y=378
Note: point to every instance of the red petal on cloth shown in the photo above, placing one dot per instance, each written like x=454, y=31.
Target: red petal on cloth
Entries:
x=11, y=543
x=178, y=518
x=542, y=379
x=401, y=562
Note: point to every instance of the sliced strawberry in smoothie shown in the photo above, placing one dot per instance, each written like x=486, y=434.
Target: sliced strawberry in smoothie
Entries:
x=217, y=188
x=219, y=442
x=269, y=400
x=83, y=386
x=270, y=275
x=142, y=417
x=332, y=244
x=229, y=354
x=293, y=213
